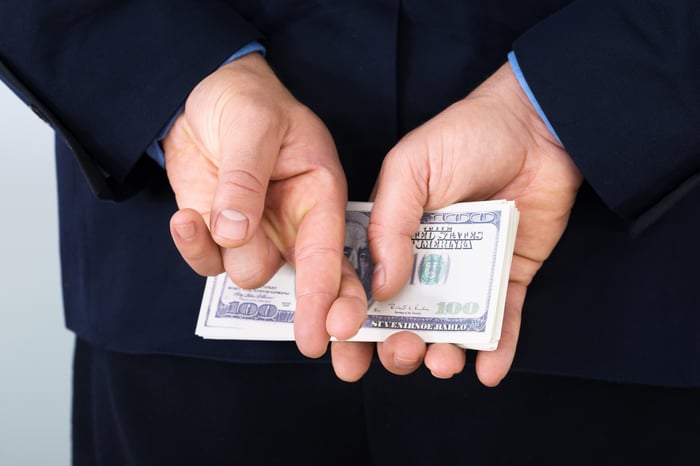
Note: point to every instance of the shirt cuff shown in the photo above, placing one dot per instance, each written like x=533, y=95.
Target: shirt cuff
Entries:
x=155, y=149
x=523, y=84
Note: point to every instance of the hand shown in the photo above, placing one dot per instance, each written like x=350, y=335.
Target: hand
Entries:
x=258, y=181
x=490, y=145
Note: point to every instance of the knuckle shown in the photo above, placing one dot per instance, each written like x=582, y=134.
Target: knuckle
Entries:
x=242, y=180
x=250, y=110
x=312, y=251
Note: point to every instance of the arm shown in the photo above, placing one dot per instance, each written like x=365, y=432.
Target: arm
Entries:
x=108, y=75
x=619, y=83
x=85, y=66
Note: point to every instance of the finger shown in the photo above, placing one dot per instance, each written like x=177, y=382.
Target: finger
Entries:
x=493, y=366
x=444, y=360
x=194, y=242
x=395, y=218
x=250, y=145
x=254, y=263
x=349, y=310
x=351, y=360
x=402, y=352
x=248, y=157
x=318, y=258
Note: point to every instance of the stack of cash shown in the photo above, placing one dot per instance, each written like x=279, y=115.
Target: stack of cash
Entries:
x=455, y=294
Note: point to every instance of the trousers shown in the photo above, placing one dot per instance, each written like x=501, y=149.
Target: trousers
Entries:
x=169, y=410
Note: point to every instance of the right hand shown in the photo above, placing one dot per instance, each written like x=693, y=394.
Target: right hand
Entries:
x=258, y=181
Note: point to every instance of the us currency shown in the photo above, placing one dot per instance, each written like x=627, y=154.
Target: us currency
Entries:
x=455, y=293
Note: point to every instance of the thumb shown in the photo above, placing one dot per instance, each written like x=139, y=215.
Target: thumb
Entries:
x=237, y=120
x=249, y=155
x=396, y=214
x=447, y=159
x=247, y=160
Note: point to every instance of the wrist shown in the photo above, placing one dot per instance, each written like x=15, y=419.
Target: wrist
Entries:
x=535, y=135
x=524, y=105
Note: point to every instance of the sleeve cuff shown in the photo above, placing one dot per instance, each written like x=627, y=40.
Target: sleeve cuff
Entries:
x=523, y=84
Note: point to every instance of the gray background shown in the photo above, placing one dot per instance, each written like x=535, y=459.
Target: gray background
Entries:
x=35, y=347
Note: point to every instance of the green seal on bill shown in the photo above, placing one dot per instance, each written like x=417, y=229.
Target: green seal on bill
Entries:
x=433, y=269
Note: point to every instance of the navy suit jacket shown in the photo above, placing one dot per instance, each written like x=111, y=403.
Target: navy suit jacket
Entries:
x=619, y=299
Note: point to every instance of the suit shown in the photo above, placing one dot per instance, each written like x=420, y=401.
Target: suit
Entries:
x=619, y=81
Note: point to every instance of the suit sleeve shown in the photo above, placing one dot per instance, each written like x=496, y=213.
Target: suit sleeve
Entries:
x=108, y=74
x=619, y=80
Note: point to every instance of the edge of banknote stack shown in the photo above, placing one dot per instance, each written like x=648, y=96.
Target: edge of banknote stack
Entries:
x=456, y=292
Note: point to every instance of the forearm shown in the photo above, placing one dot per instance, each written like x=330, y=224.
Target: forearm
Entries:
x=620, y=83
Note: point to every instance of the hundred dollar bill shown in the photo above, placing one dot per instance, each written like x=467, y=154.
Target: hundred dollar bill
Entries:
x=455, y=294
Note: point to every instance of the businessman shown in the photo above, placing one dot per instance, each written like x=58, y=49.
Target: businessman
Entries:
x=590, y=125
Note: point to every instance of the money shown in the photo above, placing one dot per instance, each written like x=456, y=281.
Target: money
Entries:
x=455, y=293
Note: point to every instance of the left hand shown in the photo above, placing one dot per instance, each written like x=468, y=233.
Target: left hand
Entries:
x=490, y=145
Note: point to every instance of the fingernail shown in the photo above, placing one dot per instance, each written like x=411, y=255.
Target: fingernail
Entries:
x=231, y=224
x=443, y=377
x=378, y=277
x=185, y=230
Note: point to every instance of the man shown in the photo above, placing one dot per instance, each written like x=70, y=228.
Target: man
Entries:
x=259, y=159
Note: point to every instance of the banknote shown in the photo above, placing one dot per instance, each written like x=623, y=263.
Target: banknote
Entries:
x=455, y=293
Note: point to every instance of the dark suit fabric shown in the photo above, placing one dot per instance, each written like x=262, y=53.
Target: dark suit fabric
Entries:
x=618, y=80
x=160, y=410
